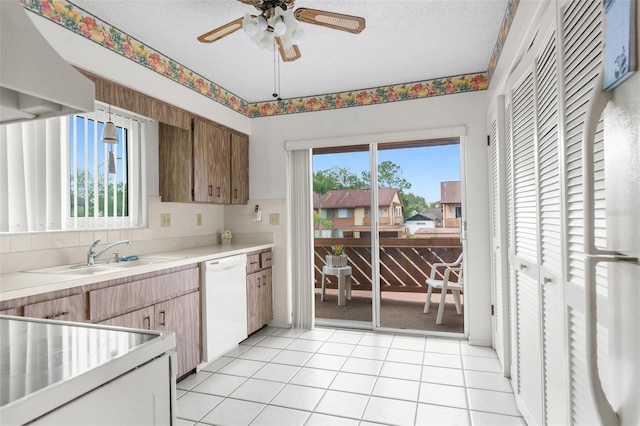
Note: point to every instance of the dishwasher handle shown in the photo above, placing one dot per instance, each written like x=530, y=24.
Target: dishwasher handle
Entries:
x=225, y=263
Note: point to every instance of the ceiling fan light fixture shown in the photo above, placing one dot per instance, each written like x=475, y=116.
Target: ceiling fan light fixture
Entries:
x=279, y=27
x=250, y=25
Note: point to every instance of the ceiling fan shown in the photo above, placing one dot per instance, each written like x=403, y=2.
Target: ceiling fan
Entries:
x=277, y=23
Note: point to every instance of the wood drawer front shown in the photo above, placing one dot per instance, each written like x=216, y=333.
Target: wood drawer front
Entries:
x=70, y=308
x=253, y=262
x=112, y=301
x=266, y=259
x=11, y=311
x=142, y=318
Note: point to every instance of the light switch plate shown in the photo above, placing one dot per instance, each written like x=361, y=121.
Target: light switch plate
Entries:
x=274, y=219
x=165, y=220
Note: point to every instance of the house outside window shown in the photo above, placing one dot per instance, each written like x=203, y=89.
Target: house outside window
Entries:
x=343, y=213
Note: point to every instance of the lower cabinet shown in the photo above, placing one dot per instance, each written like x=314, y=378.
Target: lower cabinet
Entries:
x=70, y=308
x=180, y=314
x=259, y=292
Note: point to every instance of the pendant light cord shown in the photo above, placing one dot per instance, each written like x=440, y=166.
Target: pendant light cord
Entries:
x=276, y=71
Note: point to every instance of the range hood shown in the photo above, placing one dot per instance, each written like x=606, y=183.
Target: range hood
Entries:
x=35, y=81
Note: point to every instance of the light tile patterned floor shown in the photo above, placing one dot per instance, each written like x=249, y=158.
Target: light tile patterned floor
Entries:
x=289, y=377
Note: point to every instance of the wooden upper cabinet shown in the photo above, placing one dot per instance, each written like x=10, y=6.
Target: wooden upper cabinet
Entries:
x=209, y=164
x=176, y=165
x=239, y=168
x=212, y=162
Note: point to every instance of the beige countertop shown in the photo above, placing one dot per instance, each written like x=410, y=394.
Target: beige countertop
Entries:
x=15, y=285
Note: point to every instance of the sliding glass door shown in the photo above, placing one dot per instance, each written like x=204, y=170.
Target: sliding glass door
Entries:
x=415, y=188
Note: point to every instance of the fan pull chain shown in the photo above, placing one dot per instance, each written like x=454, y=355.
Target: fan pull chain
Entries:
x=276, y=71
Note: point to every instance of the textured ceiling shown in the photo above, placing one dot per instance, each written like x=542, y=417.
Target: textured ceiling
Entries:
x=404, y=41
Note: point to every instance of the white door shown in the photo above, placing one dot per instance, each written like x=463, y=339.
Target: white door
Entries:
x=581, y=26
x=497, y=184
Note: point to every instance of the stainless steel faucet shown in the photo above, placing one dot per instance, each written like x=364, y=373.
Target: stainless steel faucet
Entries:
x=91, y=254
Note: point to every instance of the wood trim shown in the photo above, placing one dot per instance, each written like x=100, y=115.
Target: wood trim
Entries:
x=139, y=103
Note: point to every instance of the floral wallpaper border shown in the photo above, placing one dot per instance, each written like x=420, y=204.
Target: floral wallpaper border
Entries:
x=509, y=14
x=81, y=22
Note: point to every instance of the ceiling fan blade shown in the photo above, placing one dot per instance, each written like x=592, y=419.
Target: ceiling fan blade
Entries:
x=288, y=53
x=338, y=21
x=220, y=32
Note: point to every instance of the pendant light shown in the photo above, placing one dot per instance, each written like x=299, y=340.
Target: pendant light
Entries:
x=109, y=131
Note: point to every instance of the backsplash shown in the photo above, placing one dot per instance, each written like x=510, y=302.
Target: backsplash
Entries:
x=33, y=250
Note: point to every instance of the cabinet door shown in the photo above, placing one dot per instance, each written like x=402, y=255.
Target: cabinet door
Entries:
x=176, y=164
x=254, y=314
x=221, y=169
x=202, y=161
x=70, y=308
x=142, y=318
x=181, y=315
x=239, y=168
x=266, y=294
x=211, y=162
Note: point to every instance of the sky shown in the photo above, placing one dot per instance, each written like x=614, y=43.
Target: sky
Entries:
x=424, y=167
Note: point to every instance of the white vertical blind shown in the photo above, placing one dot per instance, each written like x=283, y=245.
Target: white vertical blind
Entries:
x=30, y=159
x=300, y=259
x=37, y=159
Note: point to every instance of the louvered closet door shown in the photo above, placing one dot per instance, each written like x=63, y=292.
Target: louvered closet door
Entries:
x=550, y=225
x=582, y=44
x=525, y=245
x=499, y=236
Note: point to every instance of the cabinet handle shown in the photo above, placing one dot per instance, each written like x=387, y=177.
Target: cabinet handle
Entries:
x=162, y=321
x=219, y=193
x=523, y=266
x=210, y=190
x=54, y=316
x=546, y=280
x=148, y=320
x=235, y=193
x=258, y=281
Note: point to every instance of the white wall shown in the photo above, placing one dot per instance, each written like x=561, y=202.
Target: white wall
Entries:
x=267, y=155
x=268, y=168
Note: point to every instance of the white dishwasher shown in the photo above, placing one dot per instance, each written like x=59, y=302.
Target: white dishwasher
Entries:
x=224, y=305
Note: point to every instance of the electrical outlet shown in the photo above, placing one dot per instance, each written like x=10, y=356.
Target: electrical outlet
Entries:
x=274, y=219
x=165, y=219
x=198, y=219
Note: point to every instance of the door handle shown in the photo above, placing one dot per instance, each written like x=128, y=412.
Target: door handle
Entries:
x=54, y=316
x=147, y=319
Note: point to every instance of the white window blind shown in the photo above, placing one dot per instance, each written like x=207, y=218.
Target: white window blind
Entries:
x=31, y=164
x=55, y=174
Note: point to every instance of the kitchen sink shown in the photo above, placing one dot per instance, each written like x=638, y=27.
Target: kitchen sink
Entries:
x=102, y=268
x=76, y=269
x=143, y=260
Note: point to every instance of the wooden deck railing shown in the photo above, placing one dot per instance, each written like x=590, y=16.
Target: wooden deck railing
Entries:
x=405, y=263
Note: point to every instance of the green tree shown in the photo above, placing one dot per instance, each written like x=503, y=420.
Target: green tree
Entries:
x=86, y=207
x=336, y=178
x=412, y=204
x=389, y=176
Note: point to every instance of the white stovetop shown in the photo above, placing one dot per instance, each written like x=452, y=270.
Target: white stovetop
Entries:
x=22, y=284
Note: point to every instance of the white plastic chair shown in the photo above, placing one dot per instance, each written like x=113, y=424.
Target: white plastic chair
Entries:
x=448, y=282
